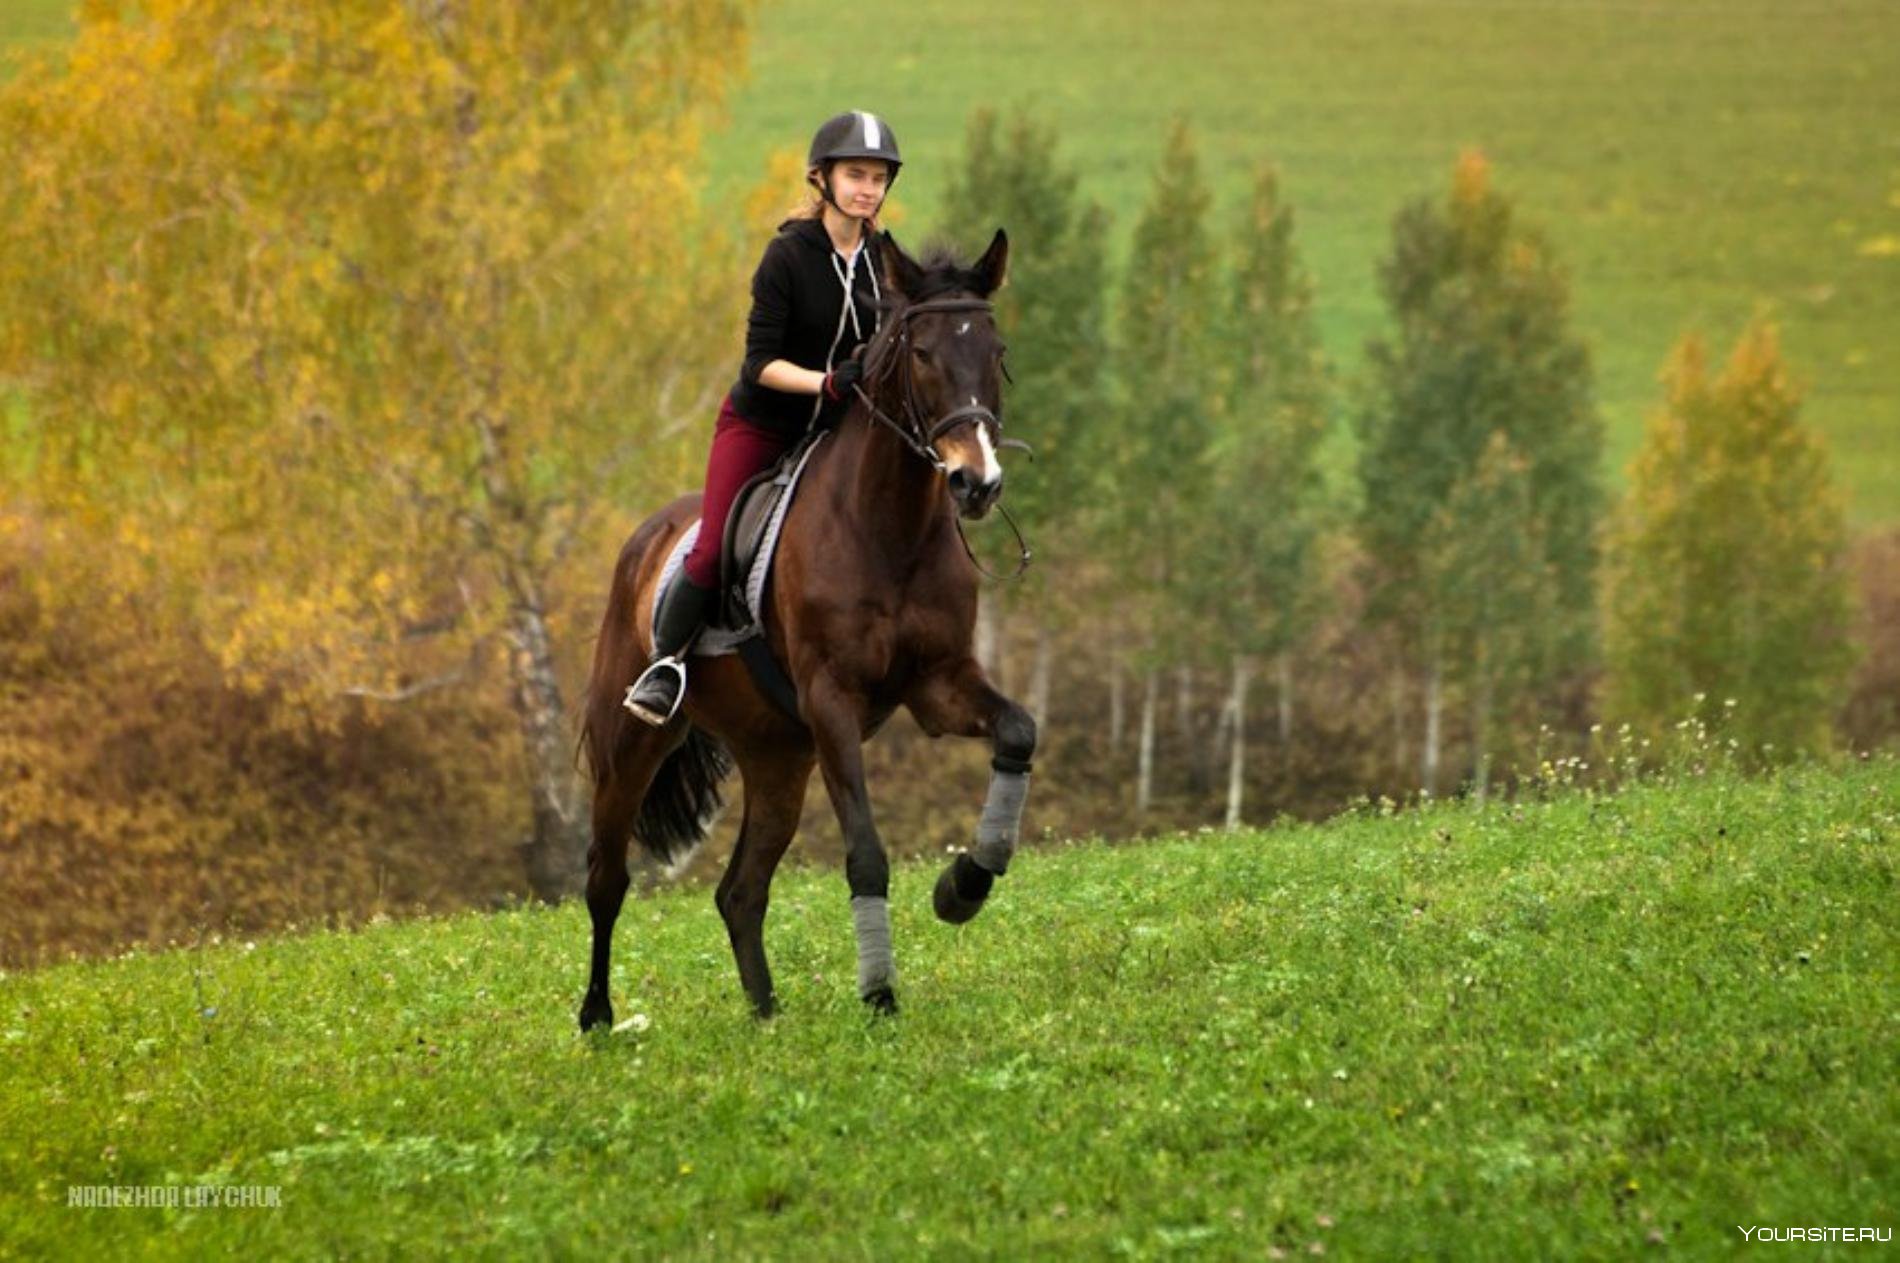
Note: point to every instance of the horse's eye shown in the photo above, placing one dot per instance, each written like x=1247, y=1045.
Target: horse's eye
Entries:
x=923, y=354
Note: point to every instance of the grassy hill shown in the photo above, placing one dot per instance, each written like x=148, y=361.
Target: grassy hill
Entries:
x=1575, y=1026
x=1690, y=160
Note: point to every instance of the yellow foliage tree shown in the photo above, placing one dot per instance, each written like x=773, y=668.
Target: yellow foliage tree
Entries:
x=1727, y=578
x=362, y=323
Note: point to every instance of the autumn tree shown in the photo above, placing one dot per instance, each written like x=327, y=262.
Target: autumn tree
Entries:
x=368, y=324
x=1481, y=346
x=1727, y=578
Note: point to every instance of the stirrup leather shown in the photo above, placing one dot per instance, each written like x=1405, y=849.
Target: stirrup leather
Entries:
x=678, y=667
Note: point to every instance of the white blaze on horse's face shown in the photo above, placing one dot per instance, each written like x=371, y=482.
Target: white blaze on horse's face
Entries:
x=970, y=464
x=992, y=468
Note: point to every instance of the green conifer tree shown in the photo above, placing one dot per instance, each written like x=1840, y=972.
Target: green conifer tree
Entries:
x=1481, y=347
x=1051, y=315
x=1258, y=578
x=1166, y=415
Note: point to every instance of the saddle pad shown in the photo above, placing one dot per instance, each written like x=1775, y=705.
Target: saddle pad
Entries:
x=714, y=641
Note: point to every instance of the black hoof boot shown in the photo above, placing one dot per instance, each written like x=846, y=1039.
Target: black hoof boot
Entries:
x=596, y=1010
x=961, y=890
x=883, y=1002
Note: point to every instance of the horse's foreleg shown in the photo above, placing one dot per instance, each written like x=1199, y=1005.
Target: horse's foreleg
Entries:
x=836, y=719
x=774, y=796
x=961, y=701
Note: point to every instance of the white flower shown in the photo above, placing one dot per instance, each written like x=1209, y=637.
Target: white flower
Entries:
x=638, y=1024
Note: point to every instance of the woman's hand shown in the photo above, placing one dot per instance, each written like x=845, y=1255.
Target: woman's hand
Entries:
x=840, y=381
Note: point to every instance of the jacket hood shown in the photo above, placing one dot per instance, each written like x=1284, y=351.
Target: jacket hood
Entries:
x=812, y=232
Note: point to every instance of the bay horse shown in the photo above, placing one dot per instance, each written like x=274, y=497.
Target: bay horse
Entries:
x=872, y=606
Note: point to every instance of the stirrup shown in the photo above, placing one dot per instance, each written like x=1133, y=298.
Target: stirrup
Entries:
x=654, y=717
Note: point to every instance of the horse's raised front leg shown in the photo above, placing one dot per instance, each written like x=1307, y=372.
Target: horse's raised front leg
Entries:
x=836, y=717
x=959, y=700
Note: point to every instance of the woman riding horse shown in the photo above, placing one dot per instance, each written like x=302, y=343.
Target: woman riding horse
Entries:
x=815, y=291
x=871, y=607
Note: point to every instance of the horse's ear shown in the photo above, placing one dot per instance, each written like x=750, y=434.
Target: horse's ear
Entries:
x=993, y=268
x=901, y=273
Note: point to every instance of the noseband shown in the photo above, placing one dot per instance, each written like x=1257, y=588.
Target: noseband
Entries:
x=922, y=438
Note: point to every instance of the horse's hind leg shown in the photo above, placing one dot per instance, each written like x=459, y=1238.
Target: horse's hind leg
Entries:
x=774, y=796
x=961, y=701
x=617, y=798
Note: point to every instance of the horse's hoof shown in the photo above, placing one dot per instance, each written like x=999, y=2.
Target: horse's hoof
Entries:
x=765, y=1010
x=961, y=890
x=883, y=1002
x=596, y=1011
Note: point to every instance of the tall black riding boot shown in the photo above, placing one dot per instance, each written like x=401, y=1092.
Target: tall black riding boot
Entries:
x=657, y=693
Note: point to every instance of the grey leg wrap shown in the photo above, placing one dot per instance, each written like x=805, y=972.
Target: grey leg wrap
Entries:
x=1002, y=819
x=877, y=966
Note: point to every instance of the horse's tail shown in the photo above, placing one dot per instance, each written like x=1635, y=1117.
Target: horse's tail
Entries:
x=684, y=798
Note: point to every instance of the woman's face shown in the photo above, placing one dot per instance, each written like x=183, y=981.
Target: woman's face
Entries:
x=858, y=185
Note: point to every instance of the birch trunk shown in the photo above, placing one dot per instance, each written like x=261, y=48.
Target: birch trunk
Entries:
x=1041, y=675
x=555, y=854
x=1401, y=753
x=986, y=638
x=1117, y=705
x=1434, y=707
x=1237, y=750
x=1284, y=670
x=1481, y=723
x=1144, y=776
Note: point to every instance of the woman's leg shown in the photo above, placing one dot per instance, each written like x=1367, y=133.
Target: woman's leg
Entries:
x=739, y=450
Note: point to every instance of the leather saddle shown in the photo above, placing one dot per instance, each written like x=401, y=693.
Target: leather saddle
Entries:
x=746, y=523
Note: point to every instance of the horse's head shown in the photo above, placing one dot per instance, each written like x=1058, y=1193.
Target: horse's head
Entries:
x=937, y=368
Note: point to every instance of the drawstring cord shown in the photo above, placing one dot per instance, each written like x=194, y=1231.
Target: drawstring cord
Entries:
x=845, y=277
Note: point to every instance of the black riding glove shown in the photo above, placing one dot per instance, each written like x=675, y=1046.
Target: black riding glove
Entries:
x=841, y=380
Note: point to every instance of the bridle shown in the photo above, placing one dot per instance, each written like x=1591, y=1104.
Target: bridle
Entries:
x=921, y=436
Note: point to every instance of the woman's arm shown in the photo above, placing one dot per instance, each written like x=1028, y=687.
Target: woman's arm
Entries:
x=783, y=375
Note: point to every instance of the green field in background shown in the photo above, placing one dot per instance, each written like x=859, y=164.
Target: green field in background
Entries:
x=1690, y=161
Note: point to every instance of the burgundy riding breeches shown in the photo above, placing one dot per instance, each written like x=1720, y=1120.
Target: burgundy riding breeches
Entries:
x=740, y=449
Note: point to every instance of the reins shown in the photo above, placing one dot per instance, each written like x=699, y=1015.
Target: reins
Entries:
x=922, y=440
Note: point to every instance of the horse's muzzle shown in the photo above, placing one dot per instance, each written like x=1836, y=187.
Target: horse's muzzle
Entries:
x=975, y=496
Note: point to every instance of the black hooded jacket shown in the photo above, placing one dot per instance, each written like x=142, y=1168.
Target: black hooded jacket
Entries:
x=799, y=314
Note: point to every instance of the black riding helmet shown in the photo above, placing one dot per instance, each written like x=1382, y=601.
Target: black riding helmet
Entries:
x=855, y=134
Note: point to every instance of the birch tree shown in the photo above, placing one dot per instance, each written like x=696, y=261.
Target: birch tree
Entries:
x=369, y=323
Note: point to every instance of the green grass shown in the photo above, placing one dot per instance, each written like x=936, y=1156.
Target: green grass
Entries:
x=1690, y=161
x=1541, y=1030
x=26, y=23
